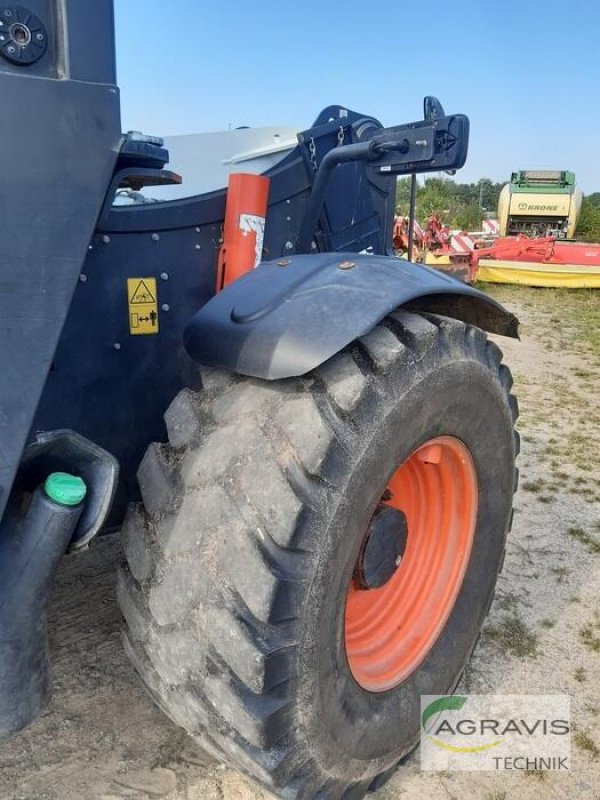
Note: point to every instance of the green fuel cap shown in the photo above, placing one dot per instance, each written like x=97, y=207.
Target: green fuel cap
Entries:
x=65, y=489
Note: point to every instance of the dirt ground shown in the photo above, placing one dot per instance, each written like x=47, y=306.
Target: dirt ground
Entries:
x=102, y=739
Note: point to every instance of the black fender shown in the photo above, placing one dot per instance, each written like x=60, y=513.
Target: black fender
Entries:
x=288, y=316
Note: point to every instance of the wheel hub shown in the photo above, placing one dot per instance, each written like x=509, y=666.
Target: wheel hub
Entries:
x=383, y=548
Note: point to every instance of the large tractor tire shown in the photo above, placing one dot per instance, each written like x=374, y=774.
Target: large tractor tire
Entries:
x=316, y=553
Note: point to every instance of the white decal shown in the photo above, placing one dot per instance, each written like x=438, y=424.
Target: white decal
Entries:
x=250, y=223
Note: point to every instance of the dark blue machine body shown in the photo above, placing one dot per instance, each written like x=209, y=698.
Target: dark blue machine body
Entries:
x=78, y=391
x=113, y=388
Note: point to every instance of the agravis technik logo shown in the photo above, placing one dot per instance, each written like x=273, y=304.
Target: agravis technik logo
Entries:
x=497, y=732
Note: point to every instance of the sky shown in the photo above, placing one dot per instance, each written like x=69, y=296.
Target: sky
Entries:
x=527, y=74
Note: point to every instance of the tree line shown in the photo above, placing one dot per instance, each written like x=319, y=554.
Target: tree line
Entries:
x=464, y=205
x=588, y=227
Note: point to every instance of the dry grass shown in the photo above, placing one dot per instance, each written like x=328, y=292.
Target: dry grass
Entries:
x=585, y=742
x=560, y=573
x=590, y=634
x=539, y=774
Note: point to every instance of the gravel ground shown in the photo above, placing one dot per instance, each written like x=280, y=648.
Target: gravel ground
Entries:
x=102, y=739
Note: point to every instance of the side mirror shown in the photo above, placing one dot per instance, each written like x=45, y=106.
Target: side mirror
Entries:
x=430, y=145
x=432, y=108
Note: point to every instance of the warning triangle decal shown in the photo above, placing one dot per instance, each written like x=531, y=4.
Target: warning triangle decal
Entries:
x=142, y=294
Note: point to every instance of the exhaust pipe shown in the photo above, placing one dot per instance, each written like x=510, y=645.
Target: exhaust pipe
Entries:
x=30, y=550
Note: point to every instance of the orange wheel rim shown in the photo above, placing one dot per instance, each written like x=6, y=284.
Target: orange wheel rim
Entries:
x=390, y=629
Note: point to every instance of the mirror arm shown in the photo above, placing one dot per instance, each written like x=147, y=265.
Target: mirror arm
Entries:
x=363, y=151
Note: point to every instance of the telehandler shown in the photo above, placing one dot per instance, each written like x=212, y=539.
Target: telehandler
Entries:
x=311, y=459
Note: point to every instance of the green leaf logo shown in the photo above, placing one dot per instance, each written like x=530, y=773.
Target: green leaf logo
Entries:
x=451, y=703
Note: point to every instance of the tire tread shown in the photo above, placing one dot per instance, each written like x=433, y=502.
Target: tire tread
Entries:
x=237, y=598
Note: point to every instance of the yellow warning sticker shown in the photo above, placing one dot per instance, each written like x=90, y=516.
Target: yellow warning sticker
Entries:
x=143, y=306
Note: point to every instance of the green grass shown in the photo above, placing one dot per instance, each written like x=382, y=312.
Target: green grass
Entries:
x=512, y=634
x=580, y=675
x=591, y=542
x=508, y=601
x=572, y=315
x=583, y=373
x=587, y=309
x=533, y=486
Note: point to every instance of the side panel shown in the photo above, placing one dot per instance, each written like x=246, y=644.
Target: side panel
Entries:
x=60, y=137
x=288, y=316
x=114, y=387
x=108, y=385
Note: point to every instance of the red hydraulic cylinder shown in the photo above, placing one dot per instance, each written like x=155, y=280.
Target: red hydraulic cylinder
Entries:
x=243, y=231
